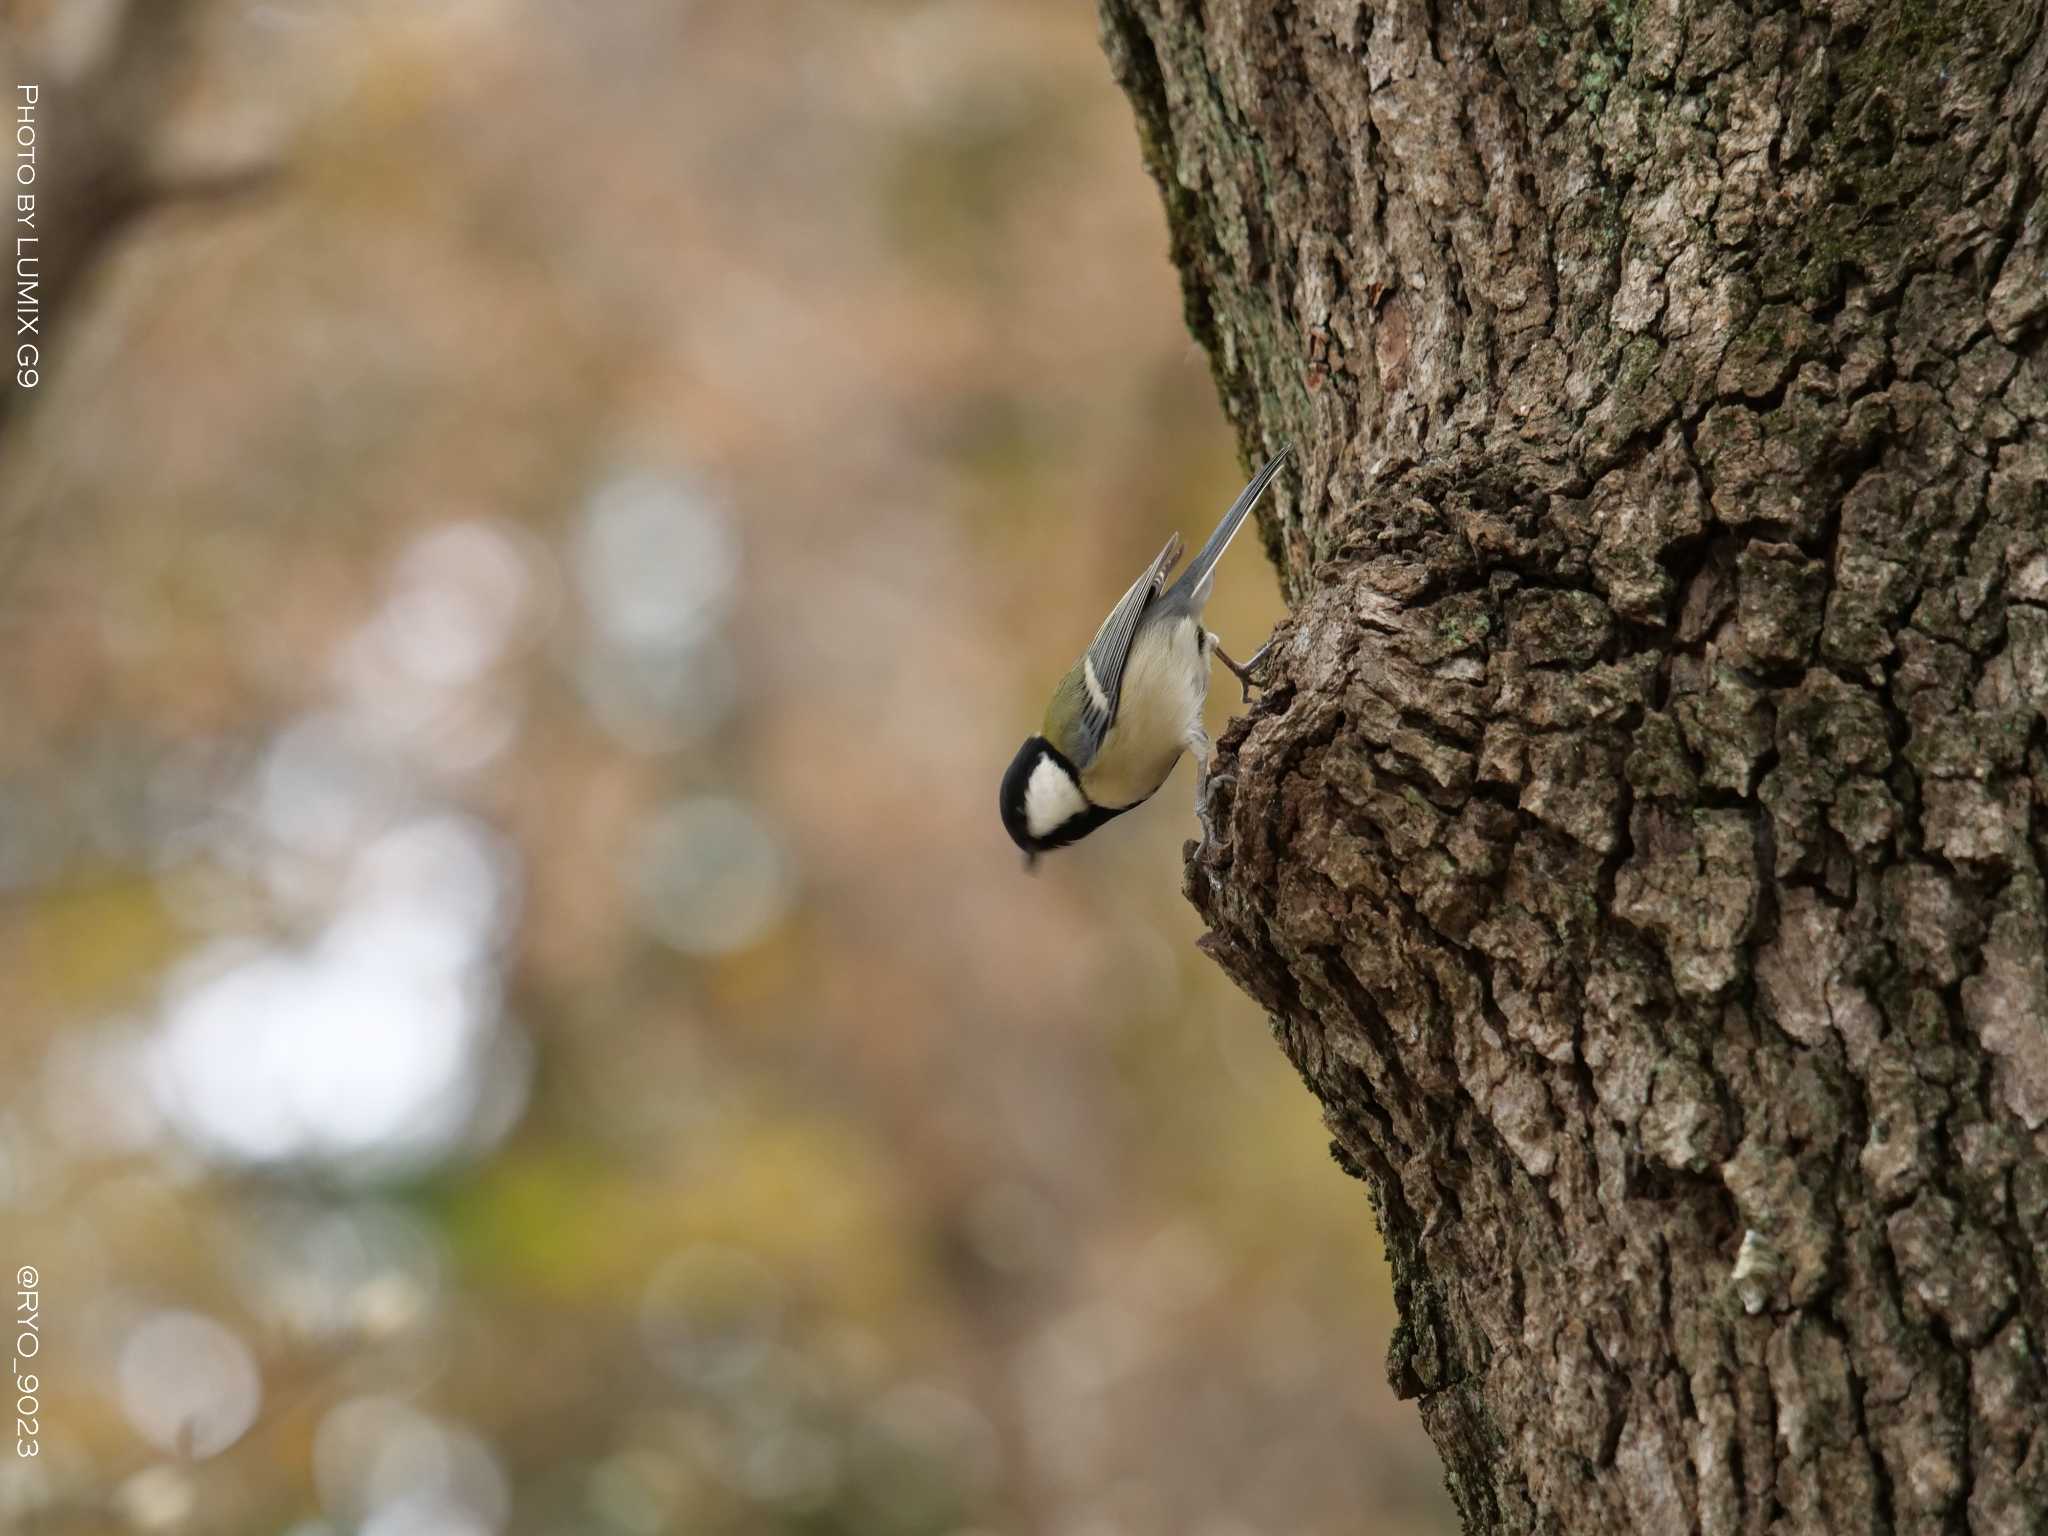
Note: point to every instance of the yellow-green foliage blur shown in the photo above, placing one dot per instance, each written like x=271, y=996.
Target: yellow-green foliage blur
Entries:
x=538, y=531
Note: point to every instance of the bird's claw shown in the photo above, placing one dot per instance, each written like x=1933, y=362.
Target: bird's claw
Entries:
x=1251, y=673
x=1204, y=795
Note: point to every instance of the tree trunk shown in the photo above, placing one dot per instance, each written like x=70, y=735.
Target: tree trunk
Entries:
x=1640, y=848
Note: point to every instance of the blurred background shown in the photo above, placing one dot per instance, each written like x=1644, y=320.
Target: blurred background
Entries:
x=539, y=529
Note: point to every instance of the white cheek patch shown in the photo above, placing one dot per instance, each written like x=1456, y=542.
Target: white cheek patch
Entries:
x=1051, y=799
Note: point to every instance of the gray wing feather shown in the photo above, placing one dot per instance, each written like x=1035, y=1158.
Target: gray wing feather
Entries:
x=1192, y=590
x=1112, y=644
x=1105, y=659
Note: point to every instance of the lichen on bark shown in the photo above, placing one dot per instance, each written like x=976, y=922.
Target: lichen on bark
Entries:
x=1640, y=849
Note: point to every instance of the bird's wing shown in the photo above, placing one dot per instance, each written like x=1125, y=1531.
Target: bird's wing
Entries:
x=1193, y=583
x=1102, y=668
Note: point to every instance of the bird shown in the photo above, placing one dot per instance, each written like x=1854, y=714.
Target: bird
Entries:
x=1121, y=717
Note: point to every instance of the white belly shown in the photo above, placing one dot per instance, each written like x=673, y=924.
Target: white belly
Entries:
x=1159, y=711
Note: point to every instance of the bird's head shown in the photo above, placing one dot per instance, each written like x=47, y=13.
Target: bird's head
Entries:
x=1043, y=804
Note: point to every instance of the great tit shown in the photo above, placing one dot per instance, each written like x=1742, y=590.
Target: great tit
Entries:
x=1120, y=719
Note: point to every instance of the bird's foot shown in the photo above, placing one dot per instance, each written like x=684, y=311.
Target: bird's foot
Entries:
x=1248, y=674
x=1205, y=792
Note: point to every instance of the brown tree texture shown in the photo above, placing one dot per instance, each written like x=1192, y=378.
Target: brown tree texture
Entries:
x=1640, y=850
x=539, y=528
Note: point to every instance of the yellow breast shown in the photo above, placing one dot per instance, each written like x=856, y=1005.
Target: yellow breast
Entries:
x=1159, y=710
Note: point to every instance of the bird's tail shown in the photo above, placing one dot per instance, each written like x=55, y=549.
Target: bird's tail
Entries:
x=1194, y=581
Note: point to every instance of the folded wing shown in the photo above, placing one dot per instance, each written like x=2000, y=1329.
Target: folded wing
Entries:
x=1103, y=666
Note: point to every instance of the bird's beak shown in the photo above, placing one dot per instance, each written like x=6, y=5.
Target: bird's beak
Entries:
x=1030, y=862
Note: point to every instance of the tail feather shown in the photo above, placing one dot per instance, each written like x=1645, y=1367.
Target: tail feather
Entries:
x=1194, y=580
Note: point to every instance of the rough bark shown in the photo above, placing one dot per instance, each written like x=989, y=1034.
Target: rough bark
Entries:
x=1640, y=850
